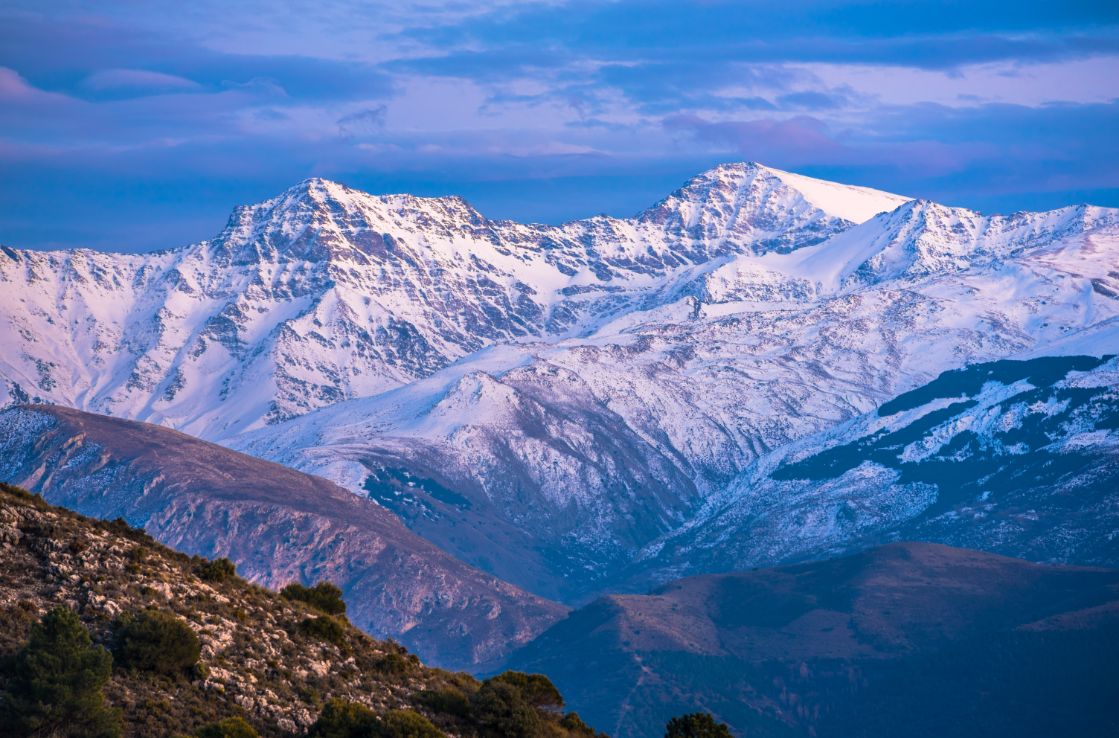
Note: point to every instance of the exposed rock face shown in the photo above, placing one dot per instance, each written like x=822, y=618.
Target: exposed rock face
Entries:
x=277, y=524
x=907, y=639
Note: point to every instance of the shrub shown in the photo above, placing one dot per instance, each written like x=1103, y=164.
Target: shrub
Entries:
x=392, y=663
x=696, y=725
x=233, y=727
x=407, y=724
x=157, y=642
x=217, y=570
x=446, y=701
x=536, y=689
x=342, y=719
x=323, y=596
x=56, y=683
x=574, y=725
x=325, y=628
x=500, y=709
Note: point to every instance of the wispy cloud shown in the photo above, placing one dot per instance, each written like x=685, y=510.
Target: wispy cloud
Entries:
x=137, y=125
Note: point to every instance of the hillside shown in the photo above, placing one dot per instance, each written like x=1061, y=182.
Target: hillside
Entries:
x=278, y=525
x=915, y=640
x=266, y=658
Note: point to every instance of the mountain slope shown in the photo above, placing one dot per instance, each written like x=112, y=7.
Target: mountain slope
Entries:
x=325, y=293
x=1016, y=457
x=258, y=659
x=908, y=639
x=598, y=446
x=277, y=524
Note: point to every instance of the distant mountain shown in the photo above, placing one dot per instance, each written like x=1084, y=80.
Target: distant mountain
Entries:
x=549, y=404
x=325, y=293
x=1015, y=457
x=258, y=659
x=278, y=525
x=913, y=640
x=598, y=447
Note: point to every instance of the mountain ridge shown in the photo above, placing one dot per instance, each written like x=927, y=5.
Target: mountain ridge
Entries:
x=544, y=401
x=277, y=524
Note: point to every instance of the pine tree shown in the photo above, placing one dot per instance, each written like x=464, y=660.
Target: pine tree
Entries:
x=57, y=681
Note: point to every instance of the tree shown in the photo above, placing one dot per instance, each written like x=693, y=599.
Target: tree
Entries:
x=500, y=709
x=158, y=642
x=696, y=725
x=232, y=727
x=57, y=681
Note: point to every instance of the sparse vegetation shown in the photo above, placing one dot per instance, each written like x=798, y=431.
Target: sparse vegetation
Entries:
x=323, y=596
x=217, y=570
x=260, y=668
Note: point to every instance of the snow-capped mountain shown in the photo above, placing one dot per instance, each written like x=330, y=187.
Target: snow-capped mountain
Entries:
x=545, y=402
x=325, y=293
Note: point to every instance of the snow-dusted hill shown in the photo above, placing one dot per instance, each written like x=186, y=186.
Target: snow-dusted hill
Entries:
x=545, y=402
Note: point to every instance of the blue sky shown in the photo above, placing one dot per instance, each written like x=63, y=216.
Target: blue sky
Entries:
x=138, y=124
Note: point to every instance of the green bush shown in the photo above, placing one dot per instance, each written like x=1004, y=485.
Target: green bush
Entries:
x=217, y=570
x=342, y=719
x=156, y=642
x=446, y=701
x=574, y=725
x=407, y=724
x=323, y=596
x=696, y=725
x=392, y=663
x=500, y=710
x=325, y=628
x=233, y=727
x=536, y=689
x=56, y=683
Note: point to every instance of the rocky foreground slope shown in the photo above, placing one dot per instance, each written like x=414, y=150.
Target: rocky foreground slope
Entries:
x=270, y=660
x=915, y=640
x=278, y=525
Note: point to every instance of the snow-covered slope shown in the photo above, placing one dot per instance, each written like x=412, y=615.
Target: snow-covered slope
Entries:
x=1016, y=457
x=598, y=445
x=544, y=402
x=325, y=293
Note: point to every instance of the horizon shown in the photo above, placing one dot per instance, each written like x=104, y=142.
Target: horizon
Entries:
x=635, y=214
x=138, y=127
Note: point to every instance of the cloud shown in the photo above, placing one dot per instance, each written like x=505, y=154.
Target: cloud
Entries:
x=362, y=123
x=140, y=81
x=541, y=111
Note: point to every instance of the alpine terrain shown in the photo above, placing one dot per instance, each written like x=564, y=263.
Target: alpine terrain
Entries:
x=578, y=408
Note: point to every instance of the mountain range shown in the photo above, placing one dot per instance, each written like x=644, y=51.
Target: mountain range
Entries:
x=475, y=425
